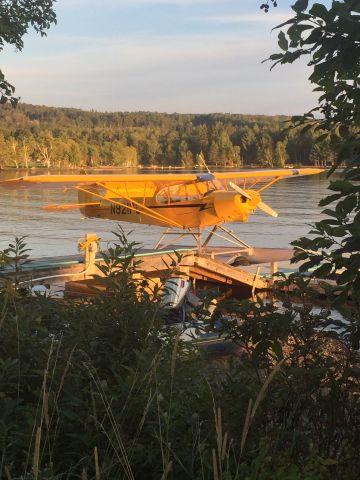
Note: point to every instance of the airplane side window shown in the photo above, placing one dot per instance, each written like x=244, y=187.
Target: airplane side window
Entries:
x=177, y=193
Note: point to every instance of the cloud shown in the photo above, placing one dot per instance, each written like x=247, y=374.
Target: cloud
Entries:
x=273, y=18
x=117, y=3
x=90, y=53
x=185, y=73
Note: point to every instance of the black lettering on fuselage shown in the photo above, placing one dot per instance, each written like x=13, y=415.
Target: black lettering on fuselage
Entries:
x=116, y=209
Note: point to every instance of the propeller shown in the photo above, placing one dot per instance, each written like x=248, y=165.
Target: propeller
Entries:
x=262, y=205
x=240, y=190
x=267, y=209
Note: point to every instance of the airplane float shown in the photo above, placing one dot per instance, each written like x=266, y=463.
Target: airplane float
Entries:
x=191, y=202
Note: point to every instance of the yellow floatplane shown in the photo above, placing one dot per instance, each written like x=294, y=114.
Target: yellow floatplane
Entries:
x=191, y=202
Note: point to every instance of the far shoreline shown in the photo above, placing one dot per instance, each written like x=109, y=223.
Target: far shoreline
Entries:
x=85, y=169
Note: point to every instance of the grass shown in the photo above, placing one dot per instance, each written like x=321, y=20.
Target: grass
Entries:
x=99, y=390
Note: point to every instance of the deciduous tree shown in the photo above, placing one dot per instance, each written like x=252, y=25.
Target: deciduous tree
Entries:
x=16, y=18
x=329, y=36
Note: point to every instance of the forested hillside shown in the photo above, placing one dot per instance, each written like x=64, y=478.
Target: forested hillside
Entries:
x=64, y=137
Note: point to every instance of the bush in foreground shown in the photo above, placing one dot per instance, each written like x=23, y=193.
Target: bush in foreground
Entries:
x=101, y=389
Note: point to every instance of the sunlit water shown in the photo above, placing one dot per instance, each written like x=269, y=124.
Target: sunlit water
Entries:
x=57, y=233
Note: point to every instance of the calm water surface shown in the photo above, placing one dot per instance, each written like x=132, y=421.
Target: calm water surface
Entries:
x=49, y=233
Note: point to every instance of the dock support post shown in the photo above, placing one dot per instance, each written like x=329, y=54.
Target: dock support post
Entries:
x=273, y=268
x=90, y=247
x=255, y=280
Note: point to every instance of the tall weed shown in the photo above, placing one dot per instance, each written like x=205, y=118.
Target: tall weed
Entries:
x=100, y=389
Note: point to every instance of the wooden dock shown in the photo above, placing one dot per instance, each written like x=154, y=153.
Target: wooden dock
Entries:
x=221, y=266
x=158, y=266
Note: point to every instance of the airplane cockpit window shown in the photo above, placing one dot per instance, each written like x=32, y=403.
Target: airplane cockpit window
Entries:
x=184, y=192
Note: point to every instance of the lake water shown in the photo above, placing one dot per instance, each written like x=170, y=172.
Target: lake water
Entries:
x=56, y=233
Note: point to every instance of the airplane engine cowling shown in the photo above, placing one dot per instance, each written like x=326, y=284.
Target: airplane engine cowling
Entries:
x=230, y=206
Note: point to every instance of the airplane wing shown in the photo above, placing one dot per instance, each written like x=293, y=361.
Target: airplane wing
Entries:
x=163, y=187
x=150, y=182
x=142, y=185
x=259, y=180
x=267, y=173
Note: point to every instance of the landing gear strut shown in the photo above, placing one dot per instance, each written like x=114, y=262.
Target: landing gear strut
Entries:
x=201, y=243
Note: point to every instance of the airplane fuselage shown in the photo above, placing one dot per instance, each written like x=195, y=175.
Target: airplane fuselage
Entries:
x=216, y=208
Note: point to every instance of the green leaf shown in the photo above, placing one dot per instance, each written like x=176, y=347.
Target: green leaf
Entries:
x=324, y=270
x=346, y=277
x=319, y=10
x=300, y=6
x=276, y=56
x=282, y=41
x=354, y=228
x=328, y=462
x=351, y=244
x=305, y=267
x=342, y=186
x=288, y=22
x=348, y=204
x=357, y=219
x=337, y=231
x=277, y=349
x=341, y=299
x=295, y=31
x=331, y=198
x=261, y=347
x=330, y=213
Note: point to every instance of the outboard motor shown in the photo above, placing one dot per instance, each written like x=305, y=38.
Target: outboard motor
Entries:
x=175, y=293
x=176, y=290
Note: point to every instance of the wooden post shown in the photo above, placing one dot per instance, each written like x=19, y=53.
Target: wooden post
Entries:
x=255, y=280
x=90, y=247
x=273, y=268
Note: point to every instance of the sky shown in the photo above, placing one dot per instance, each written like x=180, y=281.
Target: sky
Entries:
x=186, y=56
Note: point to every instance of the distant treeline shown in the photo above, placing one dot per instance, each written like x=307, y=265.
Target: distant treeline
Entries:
x=65, y=137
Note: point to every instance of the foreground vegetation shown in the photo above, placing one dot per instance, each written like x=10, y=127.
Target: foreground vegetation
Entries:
x=103, y=389
x=64, y=137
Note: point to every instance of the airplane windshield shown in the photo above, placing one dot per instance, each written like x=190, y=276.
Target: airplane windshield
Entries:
x=184, y=192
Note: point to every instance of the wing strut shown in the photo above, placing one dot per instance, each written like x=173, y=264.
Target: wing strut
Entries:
x=267, y=185
x=146, y=210
x=69, y=206
x=155, y=215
